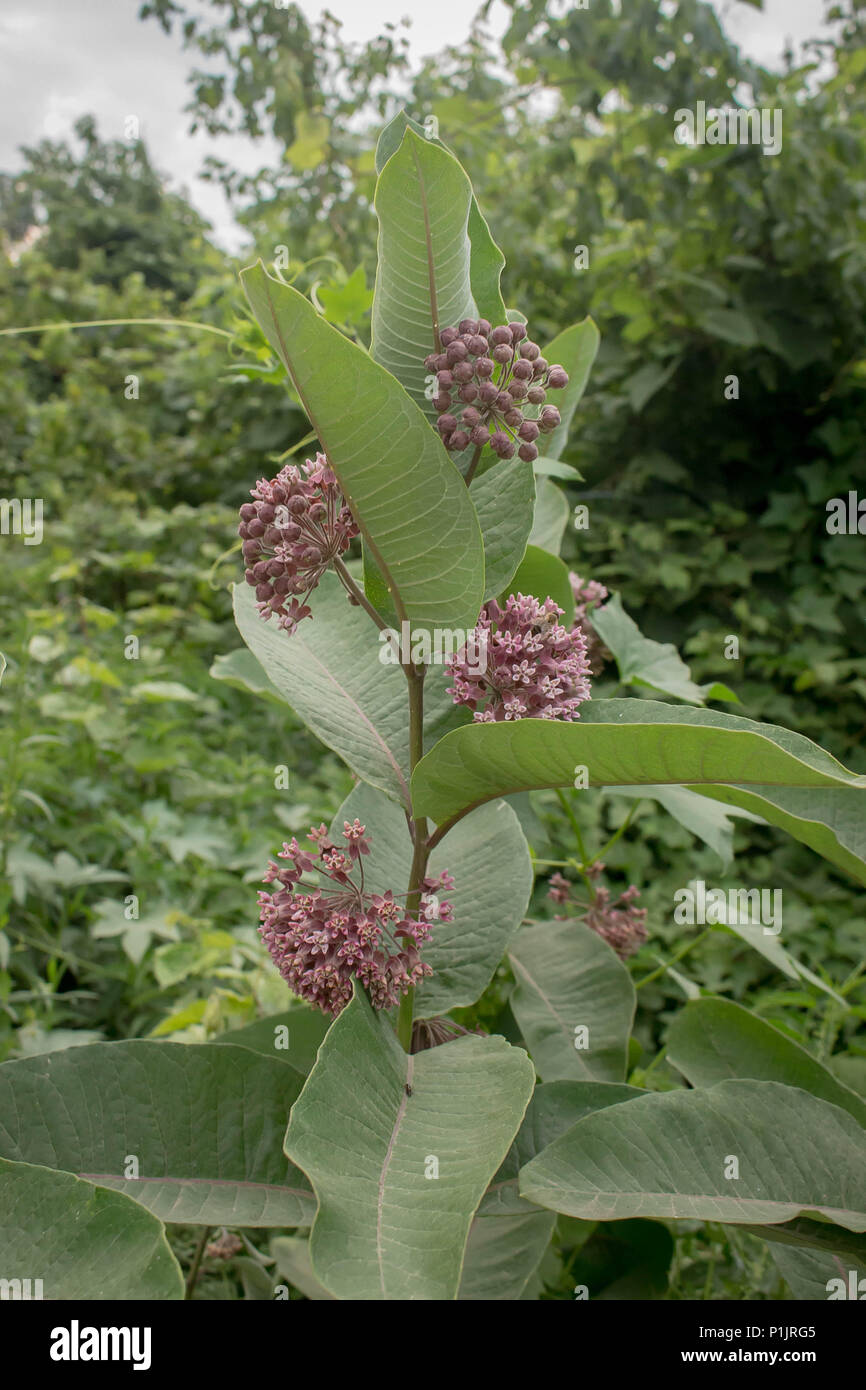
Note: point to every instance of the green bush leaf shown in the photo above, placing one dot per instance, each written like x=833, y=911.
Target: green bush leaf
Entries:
x=504, y=499
x=84, y=1243
x=779, y=775
x=713, y=1040
x=422, y=200
x=574, y=349
x=407, y=496
x=204, y=1123
x=665, y=1156
x=641, y=661
x=489, y=859
x=383, y=1230
x=544, y=576
x=568, y=978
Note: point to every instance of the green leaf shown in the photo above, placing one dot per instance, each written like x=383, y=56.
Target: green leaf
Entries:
x=568, y=979
x=706, y=819
x=773, y=772
x=713, y=1040
x=204, y=1124
x=504, y=499
x=731, y=325
x=312, y=132
x=488, y=856
x=551, y=517
x=545, y=467
x=815, y=1276
x=346, y=302
x=665, y=1156
x=554, y=1108
x=293, y=1037
x=84, y=1243
x=331, y=674
x=575, y=350
x=423, y=283
x=292, y=1254
x=657, y=665
x=241, y=669
x=544, y=576
x=486, y=263
x=383, y=1229
x=407, y=496
x=502, y=1253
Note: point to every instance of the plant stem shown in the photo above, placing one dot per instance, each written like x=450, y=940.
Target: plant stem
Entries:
x=470, y=472
x=358, y=594
x=196, y=1262
x=683, y=951
x=421, y=853
x=575, y=825
x=116, y=323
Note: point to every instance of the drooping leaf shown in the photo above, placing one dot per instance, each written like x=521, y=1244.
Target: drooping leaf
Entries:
x=817, y=1276
x=504, y=499
x=398, y=1176
x=575, y=350
x=543, y=576
x=203, y=1125
x=671, y=1155
x=656, y=665
x=779, y=775
x=706, y=819
x=82, y=1242
x=713, y=1040
x=406, y=494
x=502, y=1253
x=573, y=1000
x=292, y=1254
x=242, y=670
x=487, y=856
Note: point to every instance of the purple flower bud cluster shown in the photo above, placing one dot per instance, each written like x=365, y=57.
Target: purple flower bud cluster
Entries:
x=326, y=936
x=293, y=530
x=618, y=922
x=536, y=668
x=496, y=374
x=588, y=594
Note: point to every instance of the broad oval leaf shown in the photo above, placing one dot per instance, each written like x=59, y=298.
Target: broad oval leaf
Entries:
x=666, y=1156
x=574, y=349
x=204, y=1124
x=384, y=1230
x=713, y=1040
x=778, y=774
x=407, y=496
x=568, y=980
x=551, y=517
x=504, y=499
x=82, y=1242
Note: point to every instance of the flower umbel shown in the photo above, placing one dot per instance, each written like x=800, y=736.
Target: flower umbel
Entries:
x=618, y=921
x=324, y=936
x=588, y=594
x=536, y=668
x=496, y=375
x=293, y=530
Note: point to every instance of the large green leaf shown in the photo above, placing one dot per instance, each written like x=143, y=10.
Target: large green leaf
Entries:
x=574, y=349
x=504, y=498
x=486, y=261
x=204, y=1123
x=386, y=1228
x=544, y=576
x=567, y=979
x=554, y=1108
x=665, y=1156
x=293, y=1037
x=84, y=1243
x=551, y=517
x=712, y=1040
x=331, y=674
x=656, y=665
x=502, y=1253
x=778, y=774
x=422, y=200
x=489, y=860
x=407, y=496
x=816, y=1276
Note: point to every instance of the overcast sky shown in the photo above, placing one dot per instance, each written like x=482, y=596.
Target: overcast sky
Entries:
x=60, y=59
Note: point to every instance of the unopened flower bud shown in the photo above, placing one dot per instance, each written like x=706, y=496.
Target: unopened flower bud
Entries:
x=469, y=326
x=463, y=372
x=528, y=452
x=530, y=351
x=502, y=354
x=536, y=395
x=500, y=335
x=459, y=441
x=468, y=392
x=528, y=431
x=558, y=378
x=484, y=367
x=549, y=418
x=477, y=345
x=448, y=335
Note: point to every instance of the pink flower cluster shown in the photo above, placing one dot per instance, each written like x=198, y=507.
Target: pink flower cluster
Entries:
x=588, y=594
x=536, y=668
x=326, y=936
x=618, y=922
x=293, y=530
